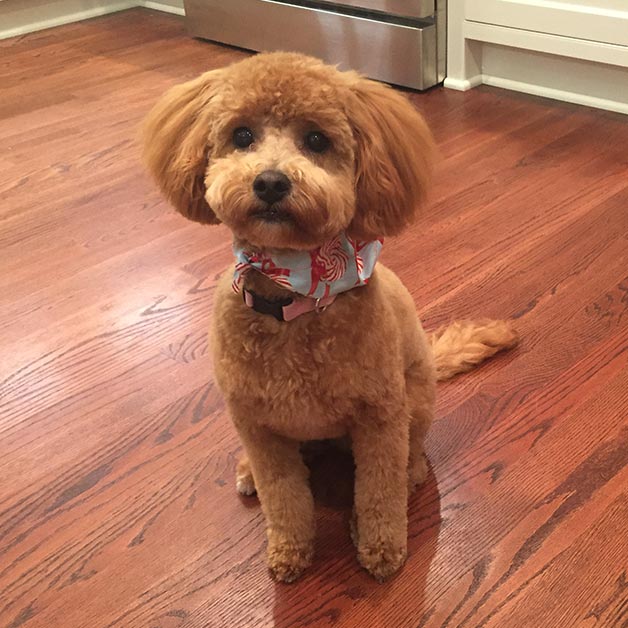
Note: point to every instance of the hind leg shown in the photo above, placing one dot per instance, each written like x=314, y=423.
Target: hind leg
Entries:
x=421, y=395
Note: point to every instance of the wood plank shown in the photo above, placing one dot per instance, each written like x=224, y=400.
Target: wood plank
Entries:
x=118, y=507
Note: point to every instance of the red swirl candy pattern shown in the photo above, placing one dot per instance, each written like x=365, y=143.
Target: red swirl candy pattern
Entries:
x=338, y=265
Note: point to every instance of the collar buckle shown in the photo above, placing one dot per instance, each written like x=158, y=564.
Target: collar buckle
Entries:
x=257, y=302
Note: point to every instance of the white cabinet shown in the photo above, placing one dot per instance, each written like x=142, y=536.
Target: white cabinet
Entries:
x=537, y=45
x=591, y=21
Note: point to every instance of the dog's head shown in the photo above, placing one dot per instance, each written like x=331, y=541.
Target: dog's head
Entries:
x=288, y=152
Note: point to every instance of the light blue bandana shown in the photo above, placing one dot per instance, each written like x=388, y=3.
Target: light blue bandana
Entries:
x=337, y=266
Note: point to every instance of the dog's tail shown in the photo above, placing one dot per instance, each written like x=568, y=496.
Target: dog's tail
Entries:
x=464, y=344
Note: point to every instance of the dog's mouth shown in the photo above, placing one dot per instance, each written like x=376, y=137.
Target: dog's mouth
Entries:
x=278, y=226
x=273, y=215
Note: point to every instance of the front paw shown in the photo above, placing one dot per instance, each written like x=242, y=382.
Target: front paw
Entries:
x=382, y=559
x=245, y=483
x=287, y=561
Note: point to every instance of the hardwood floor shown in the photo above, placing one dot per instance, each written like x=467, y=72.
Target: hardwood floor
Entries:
x=117, y=499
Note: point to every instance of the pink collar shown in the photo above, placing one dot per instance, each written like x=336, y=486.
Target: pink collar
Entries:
x=286, y=310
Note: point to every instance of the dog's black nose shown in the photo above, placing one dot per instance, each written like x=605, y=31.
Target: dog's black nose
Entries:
x=271, y=186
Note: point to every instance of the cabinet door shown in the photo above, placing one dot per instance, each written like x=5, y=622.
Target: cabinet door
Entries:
x=603, y=21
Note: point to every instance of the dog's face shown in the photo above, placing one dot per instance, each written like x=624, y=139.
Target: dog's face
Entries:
x=280, y=157
x=288, y=152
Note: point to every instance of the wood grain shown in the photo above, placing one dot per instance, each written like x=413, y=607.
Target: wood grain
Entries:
x=117, y=500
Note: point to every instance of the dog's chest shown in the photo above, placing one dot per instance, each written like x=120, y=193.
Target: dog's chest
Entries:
x=302, y=380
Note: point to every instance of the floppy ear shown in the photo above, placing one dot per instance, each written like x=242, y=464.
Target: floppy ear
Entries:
x=394, y=157
x=175, y=138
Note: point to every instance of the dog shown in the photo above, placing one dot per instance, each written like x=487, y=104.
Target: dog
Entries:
x=311, y=168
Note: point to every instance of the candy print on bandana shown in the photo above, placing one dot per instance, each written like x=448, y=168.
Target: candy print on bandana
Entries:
x=337, y=266
x=329, y=264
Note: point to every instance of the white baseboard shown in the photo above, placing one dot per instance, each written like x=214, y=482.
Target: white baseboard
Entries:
x=463, y=85
x=28, y=16
x=173, y=6
x=558, y=77
x=555, y=94
x=596, y=87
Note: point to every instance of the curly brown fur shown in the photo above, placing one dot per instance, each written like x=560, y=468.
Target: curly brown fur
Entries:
x=363, y=368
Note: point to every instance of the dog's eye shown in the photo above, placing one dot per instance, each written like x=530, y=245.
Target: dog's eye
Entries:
x=317, y=142
x=243, y=137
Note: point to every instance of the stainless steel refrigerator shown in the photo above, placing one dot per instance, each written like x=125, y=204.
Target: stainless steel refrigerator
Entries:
x=397, y=41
